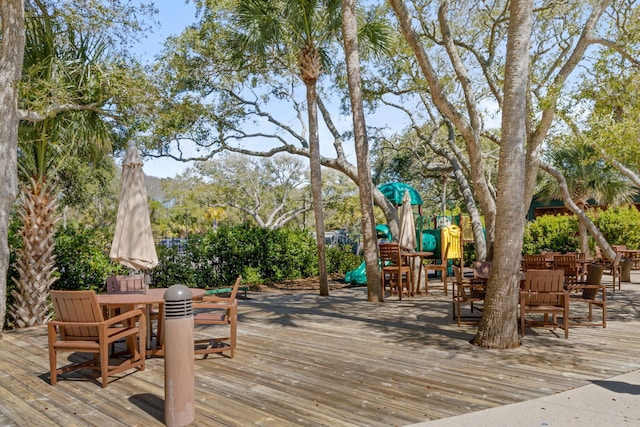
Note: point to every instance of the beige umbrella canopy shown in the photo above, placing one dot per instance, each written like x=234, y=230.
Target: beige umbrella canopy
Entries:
x=133, y=244
x=407, y=239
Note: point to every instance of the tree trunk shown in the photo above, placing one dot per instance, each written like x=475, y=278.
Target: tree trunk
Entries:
x=499, y=327
x=469, y=131
x=467, y=195
x=316, y=187
x=36, y=263
x=11, y=55
x=583, y=234
x=365, y=184
x=584, y=220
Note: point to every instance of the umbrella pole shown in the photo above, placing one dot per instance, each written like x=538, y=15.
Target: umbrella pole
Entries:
x=147, y=280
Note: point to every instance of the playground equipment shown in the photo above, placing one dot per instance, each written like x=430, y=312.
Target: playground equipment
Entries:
x=445, y=229
x=433, y=240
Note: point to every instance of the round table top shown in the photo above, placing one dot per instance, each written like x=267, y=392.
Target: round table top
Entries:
x=416, y=253
x=628, y=251
x=154, y=296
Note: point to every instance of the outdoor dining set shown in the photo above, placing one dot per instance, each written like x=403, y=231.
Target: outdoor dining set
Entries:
x=87, y=322
x=551, y=284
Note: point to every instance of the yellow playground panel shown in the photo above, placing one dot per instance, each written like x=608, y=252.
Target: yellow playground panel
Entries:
x=453, y=236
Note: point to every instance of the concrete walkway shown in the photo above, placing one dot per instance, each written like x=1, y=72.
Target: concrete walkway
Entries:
x=606, y=403
x=611, y=403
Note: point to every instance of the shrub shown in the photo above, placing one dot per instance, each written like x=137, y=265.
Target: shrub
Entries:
x=619, y=225
x=82, y=258
x=173, y=268
x=217, y=258
x=341, y=259
x=557, y=233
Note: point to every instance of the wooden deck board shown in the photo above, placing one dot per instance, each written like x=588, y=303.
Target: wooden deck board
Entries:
x=306, y=360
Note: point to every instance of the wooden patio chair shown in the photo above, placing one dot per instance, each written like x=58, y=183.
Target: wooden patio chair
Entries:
x=215, y=310
x=588, y=293
x=482, y=269
x=613, y=268
x=534, y=262
x=442, y=267
x=124, y=284
x=618, y=248
x=543, y=293
x=133, y=283
x=568, y=264
x=467, y=291
x=393, y=268
x=79, y=326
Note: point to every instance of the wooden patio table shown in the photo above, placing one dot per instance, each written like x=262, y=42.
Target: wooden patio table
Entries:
x=632, y=254
x=147, y=299
x=415, y=286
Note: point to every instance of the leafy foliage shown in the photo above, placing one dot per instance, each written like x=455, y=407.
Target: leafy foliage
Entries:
x=341, y=259
x=551, y=233
x=619, y=225
x=587, y=176
x=173, y=268
x=82, y=258
x=259, y=254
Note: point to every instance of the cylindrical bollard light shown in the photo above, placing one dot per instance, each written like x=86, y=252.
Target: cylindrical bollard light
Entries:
x=179, y=407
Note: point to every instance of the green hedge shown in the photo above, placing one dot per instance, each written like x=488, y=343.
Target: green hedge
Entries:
x=260, y=255
x=82, y=258
x=559, y=233
x=620, y=225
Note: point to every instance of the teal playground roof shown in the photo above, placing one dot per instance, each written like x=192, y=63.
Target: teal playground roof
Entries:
x=394, y=191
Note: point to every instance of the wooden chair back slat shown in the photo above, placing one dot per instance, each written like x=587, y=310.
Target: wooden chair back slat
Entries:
x=77, y=306
x=619, y=247
x=594, y=278
x=544, y=286
x=124, y=284
x=390, y=253
x=569, y=264
x=534, y=262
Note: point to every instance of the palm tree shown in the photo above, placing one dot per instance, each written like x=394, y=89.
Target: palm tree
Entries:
x=61, y=68
x=587, y=177
x=291, y=30
x=11, y=56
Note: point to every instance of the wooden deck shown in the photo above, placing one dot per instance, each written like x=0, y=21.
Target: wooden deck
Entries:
x=306, y=360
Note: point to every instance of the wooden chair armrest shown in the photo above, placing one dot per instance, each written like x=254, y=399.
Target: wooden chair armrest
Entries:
x=213, y=305
x=124, y=316
x=55, y=323
x=584, y=286
x=477, y=285
x=210, y=298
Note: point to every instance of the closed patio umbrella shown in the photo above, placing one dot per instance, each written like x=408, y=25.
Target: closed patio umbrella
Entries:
x=407, y=239
x=133, y=244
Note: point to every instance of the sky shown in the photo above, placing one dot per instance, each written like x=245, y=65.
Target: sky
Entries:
x=174, y=16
